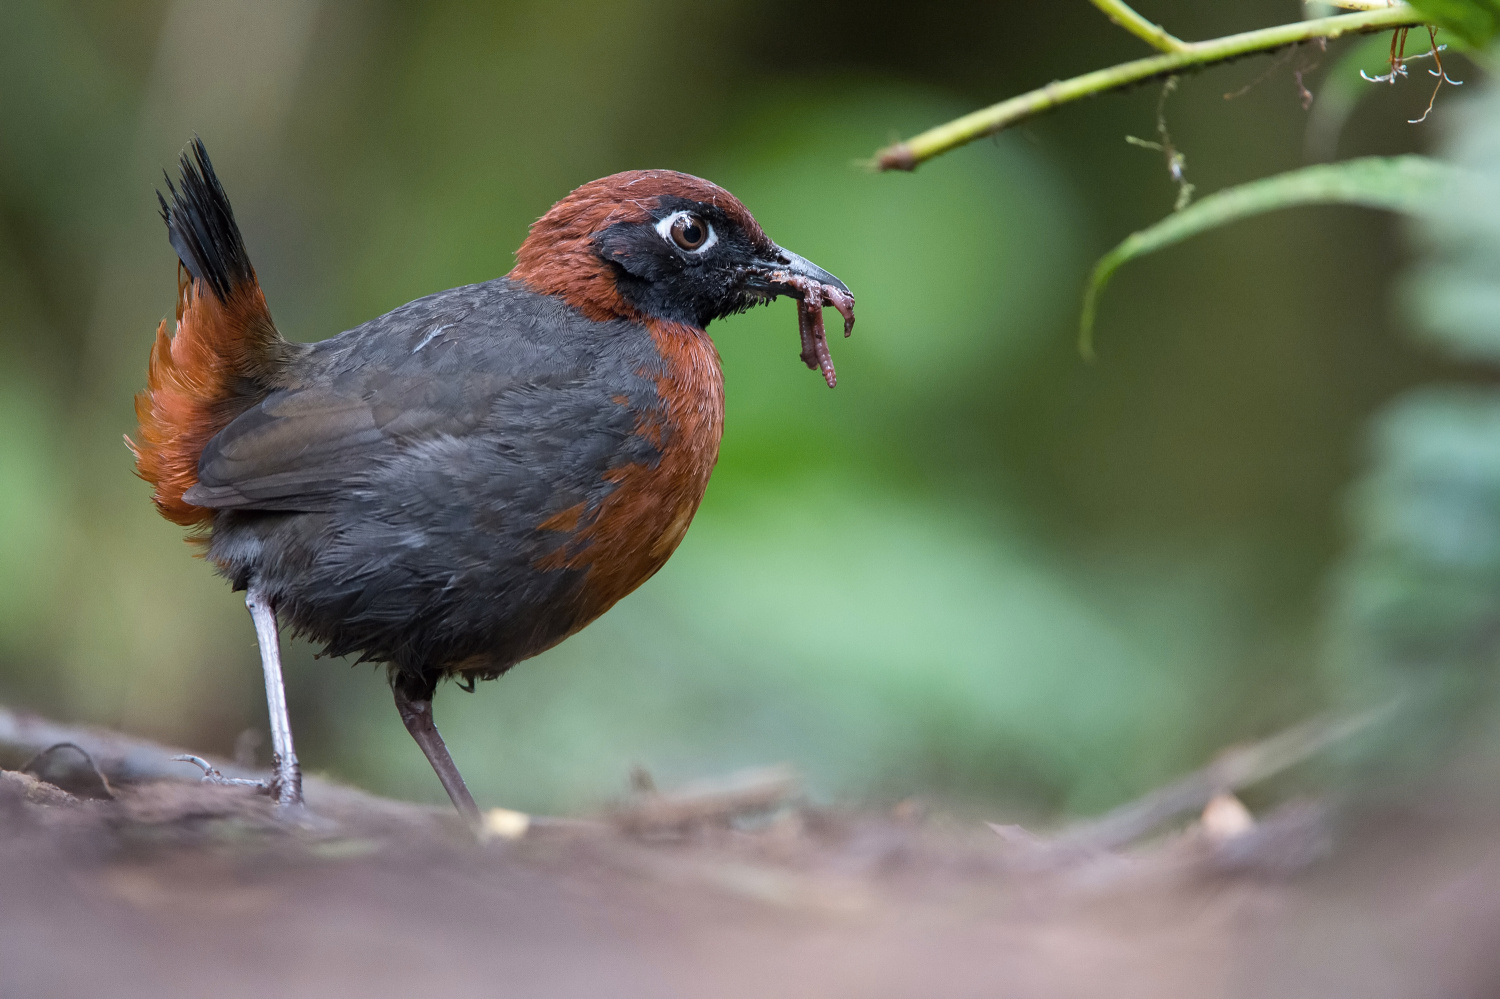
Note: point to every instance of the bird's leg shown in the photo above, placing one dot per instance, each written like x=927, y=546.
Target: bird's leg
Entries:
x=415, y=708
x=288, y=783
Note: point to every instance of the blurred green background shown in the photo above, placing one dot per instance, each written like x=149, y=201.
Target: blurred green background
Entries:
x=981, y=570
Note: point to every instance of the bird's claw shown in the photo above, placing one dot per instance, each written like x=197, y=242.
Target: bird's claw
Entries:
x=211, y=775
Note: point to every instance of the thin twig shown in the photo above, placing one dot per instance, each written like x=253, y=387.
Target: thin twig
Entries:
x=1153, y=35
x=748, y=791
x=129, y=761
x=1440, y=73
x=1358, y=4
x=123, y=758
x=1176, y=161
x=1195, y=55
x=109, y=792
x=1276, y=64
x=1234, y=769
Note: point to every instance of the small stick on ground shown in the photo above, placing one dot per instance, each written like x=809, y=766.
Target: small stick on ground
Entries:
x=88, y=758
x=1234, y=769
x=744, y=793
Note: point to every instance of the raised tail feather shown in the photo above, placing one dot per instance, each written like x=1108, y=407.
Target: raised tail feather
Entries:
x=225, y=344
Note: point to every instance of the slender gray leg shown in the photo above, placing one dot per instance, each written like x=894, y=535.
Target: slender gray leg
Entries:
x=288, y=784
x=416, y=714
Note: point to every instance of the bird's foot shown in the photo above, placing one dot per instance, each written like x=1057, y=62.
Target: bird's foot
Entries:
x=211, y=775
x=284, y=787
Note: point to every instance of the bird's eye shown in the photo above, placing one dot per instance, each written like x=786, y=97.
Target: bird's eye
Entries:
x=689, y=231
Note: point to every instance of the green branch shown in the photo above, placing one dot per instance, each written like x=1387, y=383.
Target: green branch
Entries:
x=1359, y=4
x=1194, y=55
x=1153, y=35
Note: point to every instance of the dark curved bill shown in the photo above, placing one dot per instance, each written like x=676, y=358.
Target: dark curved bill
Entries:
x=791, y=273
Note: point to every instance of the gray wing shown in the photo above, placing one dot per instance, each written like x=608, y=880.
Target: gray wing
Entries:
x=515, y=369
x=302, y=449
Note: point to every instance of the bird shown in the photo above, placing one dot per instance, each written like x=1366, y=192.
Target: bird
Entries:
x=469, y=479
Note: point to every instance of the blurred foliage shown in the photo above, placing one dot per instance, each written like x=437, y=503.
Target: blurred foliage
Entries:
x=977, y=570
x=1473, y=22
x=1419, y=599
x=1399, y=183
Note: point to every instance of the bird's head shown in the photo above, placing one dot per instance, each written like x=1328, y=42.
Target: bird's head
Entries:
x=666, y=246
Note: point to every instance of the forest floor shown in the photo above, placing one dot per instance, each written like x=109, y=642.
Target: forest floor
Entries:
x=144, y=885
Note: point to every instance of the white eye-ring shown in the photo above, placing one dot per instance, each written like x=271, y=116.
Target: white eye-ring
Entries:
x=688, y=231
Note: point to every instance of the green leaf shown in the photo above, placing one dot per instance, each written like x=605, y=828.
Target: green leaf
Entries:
x=1397, y=183
x=1472, y=22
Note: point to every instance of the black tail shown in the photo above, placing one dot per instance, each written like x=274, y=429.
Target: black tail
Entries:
x=201, y=226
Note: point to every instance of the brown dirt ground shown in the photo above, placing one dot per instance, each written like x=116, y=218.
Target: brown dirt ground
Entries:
x=178, y=888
